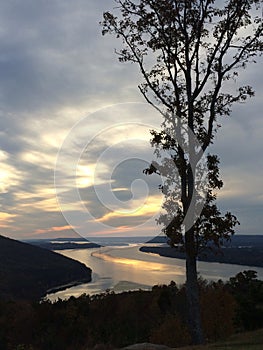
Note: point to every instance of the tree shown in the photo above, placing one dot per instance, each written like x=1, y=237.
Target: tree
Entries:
x=248, y=292
x=187, y=52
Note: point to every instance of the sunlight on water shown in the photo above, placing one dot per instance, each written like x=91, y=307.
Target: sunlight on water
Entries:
x=127, y=268
x=138, y=264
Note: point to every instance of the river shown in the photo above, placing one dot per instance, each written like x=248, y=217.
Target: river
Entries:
x=127, y=268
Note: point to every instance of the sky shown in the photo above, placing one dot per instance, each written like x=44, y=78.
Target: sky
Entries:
x=70, y=111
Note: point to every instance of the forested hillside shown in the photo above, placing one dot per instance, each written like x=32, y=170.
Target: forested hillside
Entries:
x=27, y=272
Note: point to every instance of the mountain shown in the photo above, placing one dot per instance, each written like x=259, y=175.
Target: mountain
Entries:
x=28, y=272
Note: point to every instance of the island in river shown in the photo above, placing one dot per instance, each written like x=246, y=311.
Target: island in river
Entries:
x=28, y=272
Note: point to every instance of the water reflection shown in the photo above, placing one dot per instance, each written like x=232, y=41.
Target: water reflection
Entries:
x=128, y=269
x=137, y=264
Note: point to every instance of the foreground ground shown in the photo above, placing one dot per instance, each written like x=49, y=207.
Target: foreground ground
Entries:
x=244, y=341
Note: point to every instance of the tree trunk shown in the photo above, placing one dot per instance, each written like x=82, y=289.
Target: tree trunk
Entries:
x=192, y=293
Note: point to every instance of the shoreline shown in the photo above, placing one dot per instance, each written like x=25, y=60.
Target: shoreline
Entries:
x=252, y=257
x=171, y=253
x=65, y=286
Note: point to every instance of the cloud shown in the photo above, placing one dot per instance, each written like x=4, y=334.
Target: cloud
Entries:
x=57, y=56
x=54, y=229
x=140, y=211
x=56, y=68
x=6, y=219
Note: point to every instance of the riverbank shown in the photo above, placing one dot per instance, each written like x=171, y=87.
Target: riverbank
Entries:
x=248, y=256
x=67, y=285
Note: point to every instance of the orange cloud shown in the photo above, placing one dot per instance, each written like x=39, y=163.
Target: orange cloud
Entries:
x=6, y=219
x=54, y=229
x=128, y=231
x=114, y=230
x=149, y=208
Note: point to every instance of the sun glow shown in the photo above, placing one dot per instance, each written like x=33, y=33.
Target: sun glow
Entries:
x=9, y=176
x=53, y=229
x=6, y=219
x=39, y=158
x=85, y=175
x=149, y=207
x=138, y=264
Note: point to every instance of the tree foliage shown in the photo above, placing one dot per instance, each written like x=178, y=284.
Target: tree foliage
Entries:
x=114, y=320
x=189, y=52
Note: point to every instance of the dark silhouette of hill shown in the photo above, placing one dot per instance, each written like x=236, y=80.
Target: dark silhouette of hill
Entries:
x=28, y=272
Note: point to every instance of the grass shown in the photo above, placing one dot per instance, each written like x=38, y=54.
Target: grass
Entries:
x=244, y=341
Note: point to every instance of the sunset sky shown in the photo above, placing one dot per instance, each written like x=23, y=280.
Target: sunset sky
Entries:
x=67, y=105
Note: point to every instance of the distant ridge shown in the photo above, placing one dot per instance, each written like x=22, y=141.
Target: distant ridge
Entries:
x=28, y=272
x=61, y=245
x=241, y=250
